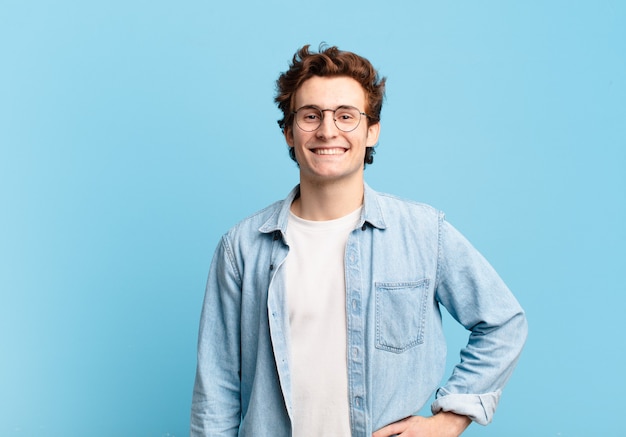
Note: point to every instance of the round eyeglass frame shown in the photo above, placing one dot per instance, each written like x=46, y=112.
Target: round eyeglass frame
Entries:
x=322, y=111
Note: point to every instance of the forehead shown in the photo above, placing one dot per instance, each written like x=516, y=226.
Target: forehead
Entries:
x=330, y=92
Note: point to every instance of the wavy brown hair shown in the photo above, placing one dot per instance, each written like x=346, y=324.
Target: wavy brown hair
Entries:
x=329, y=61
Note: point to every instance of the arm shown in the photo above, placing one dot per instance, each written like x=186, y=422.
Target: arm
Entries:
x=216, y=408
x=476, y=297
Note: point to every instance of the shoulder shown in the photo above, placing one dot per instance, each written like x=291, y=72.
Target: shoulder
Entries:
x=399, y=210
x=251, y=224
x=393, y=201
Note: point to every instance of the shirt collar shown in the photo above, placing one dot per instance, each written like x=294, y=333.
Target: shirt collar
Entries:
x=371, y=212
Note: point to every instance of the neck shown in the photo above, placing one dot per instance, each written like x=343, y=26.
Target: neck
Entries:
x=328, y=201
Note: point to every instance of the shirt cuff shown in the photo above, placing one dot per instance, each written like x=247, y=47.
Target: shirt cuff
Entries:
x=478, y=407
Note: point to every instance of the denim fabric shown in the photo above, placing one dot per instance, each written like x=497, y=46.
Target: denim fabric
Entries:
x=402, y=263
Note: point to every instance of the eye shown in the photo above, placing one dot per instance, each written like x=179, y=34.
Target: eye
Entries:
x=309, y=115
x=347, y=114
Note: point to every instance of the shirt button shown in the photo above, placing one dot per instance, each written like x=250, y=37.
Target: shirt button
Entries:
x=355, y=304
x=355, y=352
x=358, y=401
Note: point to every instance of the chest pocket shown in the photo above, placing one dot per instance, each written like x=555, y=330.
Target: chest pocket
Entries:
x=400, y=314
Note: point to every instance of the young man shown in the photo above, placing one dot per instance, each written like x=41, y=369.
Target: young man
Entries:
x=321, y=314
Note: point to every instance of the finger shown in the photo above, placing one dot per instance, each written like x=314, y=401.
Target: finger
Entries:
x=393, y=429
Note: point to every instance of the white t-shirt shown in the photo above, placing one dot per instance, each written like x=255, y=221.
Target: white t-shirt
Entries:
x=316, y=298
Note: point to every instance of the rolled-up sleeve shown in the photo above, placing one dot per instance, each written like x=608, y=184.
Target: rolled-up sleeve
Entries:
x=473, y=293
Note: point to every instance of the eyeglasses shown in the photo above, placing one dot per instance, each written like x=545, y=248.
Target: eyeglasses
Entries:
x=347, y=118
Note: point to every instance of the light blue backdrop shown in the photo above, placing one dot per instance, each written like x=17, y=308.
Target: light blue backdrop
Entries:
x=134, y=133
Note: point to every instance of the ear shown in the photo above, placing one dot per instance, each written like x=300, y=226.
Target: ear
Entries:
x=288, y=133
x=373, y=131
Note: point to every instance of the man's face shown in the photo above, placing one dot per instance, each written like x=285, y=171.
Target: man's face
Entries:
x=329, y=154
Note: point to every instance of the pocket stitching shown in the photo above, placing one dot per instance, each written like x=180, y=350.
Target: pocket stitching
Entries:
x=422, y=285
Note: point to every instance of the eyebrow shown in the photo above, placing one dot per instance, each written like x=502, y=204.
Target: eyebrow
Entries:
x=320, y=108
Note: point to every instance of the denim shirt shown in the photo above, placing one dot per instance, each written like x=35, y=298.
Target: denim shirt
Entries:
x=402, y=262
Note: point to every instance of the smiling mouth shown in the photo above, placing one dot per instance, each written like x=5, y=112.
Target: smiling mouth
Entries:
x=331, y=151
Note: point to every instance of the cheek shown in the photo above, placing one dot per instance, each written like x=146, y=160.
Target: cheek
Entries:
x=299, y=138
x=362, y=139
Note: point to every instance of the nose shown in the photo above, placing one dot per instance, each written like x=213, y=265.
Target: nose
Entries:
x=328, y=128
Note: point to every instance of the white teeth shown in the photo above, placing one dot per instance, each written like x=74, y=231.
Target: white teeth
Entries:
x=337, y=151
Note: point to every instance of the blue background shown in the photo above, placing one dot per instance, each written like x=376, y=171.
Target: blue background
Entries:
x=134, y=133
